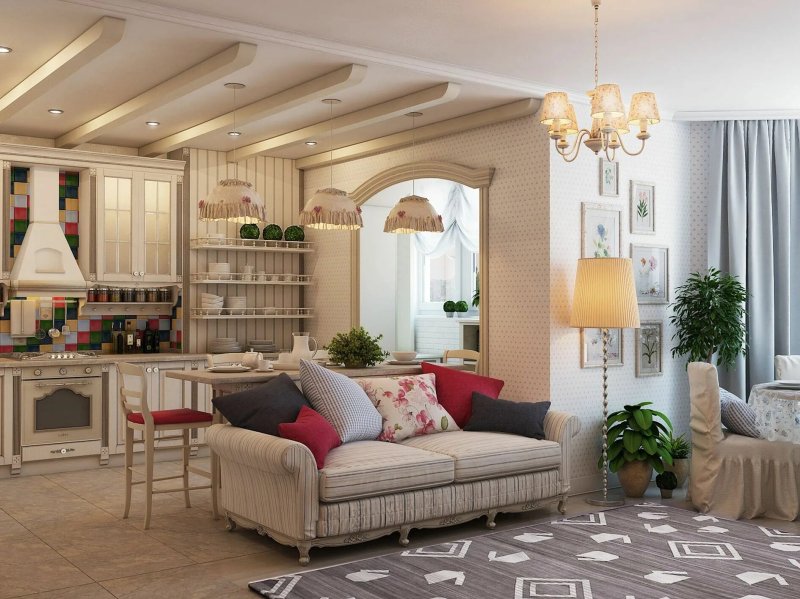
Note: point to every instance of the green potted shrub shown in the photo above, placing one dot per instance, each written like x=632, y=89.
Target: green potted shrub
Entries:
x=249, y=231
x=636, y=447
x=449, y=308
x=679, y=449
x=462, y=307
x=709, y=318
x=666, y=482
x=273, y=232
x=356, y=349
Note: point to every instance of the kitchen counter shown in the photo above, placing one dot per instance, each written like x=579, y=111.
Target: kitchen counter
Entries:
x=105, y=359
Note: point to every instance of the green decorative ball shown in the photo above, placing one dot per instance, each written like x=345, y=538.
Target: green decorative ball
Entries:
x=462, y=306
x=273, y=232
x=449, y=306
x=294, y=233
x=249, y=231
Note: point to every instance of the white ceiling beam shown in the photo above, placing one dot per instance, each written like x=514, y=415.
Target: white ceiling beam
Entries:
x=490, y=116
x=421, y=100
x=224, y=63
x=314, y=89
x=101, y=36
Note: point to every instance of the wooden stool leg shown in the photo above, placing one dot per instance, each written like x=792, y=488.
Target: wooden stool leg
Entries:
x=186, y=453
x=128, y=469
x=149, y=455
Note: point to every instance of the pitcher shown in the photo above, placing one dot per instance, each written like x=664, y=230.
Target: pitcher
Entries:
x=301, y=349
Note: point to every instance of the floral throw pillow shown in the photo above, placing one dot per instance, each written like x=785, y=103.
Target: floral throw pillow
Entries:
x=408, y=406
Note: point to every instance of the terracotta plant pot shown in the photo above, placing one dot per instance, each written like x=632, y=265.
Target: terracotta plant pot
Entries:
x=681, y=470
x=635, y=478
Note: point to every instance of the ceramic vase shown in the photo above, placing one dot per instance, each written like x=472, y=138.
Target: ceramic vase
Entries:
x=635, y=478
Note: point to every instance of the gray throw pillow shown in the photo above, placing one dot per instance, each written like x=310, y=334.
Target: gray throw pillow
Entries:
x=737, y=416
x=503, y=416
x=341, y=401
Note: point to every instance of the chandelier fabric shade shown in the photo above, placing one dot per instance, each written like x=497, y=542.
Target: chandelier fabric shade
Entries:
x=233, y=200
x=331, y=208
x=607, y=102
x=605, y=294
x=555, y=109
x=413, y=214
x=644, y=108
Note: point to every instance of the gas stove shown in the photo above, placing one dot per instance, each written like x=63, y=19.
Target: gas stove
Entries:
x=37, y=355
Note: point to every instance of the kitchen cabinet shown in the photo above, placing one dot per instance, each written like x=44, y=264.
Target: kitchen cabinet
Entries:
x=136, y=226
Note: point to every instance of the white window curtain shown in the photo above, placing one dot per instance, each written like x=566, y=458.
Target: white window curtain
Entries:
x=460, y=220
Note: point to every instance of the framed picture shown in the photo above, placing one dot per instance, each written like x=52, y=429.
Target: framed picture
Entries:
x=649, y=345
x=592, y=348
x=643, y=208
x=651, y=273
x=601, y=233
x=609, y=177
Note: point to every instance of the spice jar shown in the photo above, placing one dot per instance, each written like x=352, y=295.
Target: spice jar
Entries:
x=128, y=295
x=101, y=294
x=164, y=295
x=141, y=295
x=115, y=294
x=91, y=295
x=152, y=294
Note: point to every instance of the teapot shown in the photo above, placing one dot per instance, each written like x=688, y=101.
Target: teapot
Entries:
x=251, y=358
x=301, y=349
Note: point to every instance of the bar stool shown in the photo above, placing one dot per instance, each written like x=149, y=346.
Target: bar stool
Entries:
x=139, y=417
x=462, y=354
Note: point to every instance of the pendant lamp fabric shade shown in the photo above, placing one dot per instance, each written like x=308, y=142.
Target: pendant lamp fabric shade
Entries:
x=644, y=108
x=605, y=295
x=607, y=101
x=413, y=214
x=331, y=209
x=233, y=200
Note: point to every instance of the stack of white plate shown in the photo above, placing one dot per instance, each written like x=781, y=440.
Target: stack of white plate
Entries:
x=219, y=270
x=224, y=345
x=236, y=304
x=211, y=303
x=263, y=346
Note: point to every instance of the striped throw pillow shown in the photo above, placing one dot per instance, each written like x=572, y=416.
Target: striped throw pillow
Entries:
x=341, y=401
x=737, y=416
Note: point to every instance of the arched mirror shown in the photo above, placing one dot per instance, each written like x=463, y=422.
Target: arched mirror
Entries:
x=400, y=282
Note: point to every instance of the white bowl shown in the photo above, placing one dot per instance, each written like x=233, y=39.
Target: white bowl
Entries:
x=219, y=267
x=404, y=356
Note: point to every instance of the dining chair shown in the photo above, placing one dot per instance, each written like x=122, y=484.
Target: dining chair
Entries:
x=787, y=368
x=139, y=417
x=463, y=355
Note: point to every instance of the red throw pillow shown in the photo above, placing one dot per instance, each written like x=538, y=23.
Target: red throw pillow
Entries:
x=313, y=431
x=454, y=389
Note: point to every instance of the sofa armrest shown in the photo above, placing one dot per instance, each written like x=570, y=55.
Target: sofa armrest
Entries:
x=562, y=428
x=270, y=481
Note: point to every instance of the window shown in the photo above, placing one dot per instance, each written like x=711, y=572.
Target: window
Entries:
x=448, y=276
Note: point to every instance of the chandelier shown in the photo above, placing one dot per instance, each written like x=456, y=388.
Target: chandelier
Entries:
x=609, y=122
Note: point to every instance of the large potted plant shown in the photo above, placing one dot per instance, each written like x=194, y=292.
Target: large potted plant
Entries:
x=709, y=318
x=636, y=447
x=679, y=449
x=356, y=349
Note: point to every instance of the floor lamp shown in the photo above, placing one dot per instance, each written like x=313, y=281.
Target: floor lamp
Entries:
x=605, y=298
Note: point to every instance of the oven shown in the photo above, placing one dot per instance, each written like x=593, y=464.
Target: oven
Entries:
x=61, y=411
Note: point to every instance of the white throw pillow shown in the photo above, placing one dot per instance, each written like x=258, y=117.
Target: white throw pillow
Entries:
x=408, y=405
x=341, y=401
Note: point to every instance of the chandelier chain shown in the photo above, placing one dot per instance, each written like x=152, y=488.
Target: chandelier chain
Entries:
x=235, y=138
x=413, y=152
x=330, y=139
x=596, y=43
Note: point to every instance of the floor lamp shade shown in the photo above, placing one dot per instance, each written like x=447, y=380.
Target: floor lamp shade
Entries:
x=605, y=295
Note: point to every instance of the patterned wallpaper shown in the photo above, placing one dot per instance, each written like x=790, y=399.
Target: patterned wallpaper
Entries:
x=534, y=243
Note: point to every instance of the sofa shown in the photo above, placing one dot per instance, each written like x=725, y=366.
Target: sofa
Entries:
x=368, y=489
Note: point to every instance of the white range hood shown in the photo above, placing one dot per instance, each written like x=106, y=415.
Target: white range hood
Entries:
x=45, y=265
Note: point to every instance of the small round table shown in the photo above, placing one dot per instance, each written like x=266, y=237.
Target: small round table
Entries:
x=777, y=412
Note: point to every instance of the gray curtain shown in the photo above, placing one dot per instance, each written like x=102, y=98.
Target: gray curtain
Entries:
x=754, y=233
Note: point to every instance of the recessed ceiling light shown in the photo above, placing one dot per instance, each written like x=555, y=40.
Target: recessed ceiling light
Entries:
x=55, y=111
x=152, y=123
x=234, y=133
x=311, y=142
x=5, y=50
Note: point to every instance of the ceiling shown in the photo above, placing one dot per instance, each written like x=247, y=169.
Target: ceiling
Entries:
x=705, y=60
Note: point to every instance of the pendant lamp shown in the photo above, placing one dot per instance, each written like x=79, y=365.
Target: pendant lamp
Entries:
x=413, y=214
x=233, y=200
x=331, y=208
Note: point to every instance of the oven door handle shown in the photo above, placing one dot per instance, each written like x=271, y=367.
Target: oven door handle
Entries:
x=56, y=384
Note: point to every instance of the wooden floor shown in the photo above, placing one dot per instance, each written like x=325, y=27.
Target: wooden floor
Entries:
x=61, y=537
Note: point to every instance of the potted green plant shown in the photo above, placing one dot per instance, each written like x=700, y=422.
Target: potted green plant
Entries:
x=449, y=308
x=666, y=482
x=462, y=307
x=709, y=318
x=635, y=446
x=356, y=349
x=679, y=449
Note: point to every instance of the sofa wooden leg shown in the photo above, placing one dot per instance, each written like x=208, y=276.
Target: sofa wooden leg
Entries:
x=562, y=505
x=230, y=523
x=304, y=549
x=404, y=532
x=490, y=523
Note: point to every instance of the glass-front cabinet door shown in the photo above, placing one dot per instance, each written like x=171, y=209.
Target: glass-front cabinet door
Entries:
x=136, y=232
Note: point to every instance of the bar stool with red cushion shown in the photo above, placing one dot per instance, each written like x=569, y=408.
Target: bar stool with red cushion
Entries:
x=139, y=417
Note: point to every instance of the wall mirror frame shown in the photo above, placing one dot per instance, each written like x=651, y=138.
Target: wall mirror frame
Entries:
x=478, y=178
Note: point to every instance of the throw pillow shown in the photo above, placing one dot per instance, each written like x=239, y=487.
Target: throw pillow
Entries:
x=454, y=389
x=737, y=416
x=264, y=407
x=504, y=416
x=313, y=431
x=341, y=401
x=408, y=406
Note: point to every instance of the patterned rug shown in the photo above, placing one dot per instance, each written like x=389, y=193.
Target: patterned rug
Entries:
x=646, y=551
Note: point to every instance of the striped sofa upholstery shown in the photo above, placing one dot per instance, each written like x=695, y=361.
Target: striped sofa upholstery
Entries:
x=273, y=485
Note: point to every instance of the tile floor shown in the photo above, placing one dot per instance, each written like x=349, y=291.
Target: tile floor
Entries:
x=62, y=537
